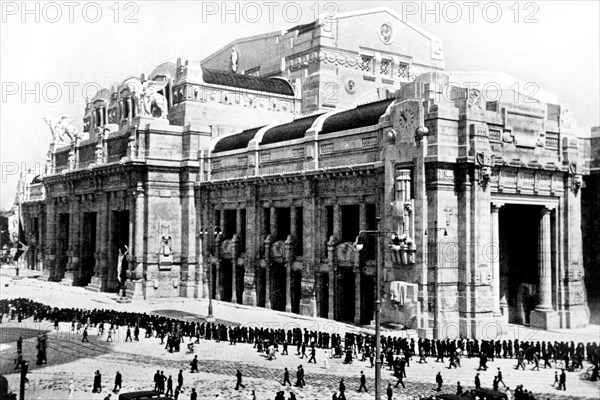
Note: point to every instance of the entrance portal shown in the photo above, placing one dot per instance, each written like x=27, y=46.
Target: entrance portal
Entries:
x=367, y=292
x=63, y=246
x=518, y=229
x=324, y=295
x=120, y=238
x=278, y=289
x=88, y=261
x=226, y=276
x=296, y=290
x=346, y=294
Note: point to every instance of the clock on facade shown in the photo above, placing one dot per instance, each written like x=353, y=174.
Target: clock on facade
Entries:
x=407, y=118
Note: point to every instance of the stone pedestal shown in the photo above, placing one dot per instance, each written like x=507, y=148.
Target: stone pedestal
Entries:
x=68, y=279
x=543, y=319
x=134, y=290
x=188, y=289
x=249, y=298
x=95, y=285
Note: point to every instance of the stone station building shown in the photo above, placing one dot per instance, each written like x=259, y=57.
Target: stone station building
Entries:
x=290, y=143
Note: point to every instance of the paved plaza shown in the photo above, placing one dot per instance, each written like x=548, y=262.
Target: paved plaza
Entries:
x=69, y=358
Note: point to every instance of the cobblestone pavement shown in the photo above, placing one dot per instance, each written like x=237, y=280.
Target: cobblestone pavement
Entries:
x=69, y=358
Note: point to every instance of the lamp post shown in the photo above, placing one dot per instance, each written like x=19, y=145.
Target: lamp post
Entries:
x=396, y=245
x=208, y=265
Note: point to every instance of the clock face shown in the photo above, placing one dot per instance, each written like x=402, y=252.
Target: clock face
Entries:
x=408, y=118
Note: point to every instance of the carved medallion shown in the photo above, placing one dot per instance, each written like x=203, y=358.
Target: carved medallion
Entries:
x=350, y=86
x=386, y=33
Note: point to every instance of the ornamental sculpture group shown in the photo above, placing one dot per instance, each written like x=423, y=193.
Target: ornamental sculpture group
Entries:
x=151, y=104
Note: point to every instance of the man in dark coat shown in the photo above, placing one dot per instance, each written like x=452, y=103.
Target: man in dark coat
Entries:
x=118, y=382
x=239, y=383
x=439, y=381
x=363, y=382
x=477, y=382
x=286, y=377
x=562, y=381
x=342, y=389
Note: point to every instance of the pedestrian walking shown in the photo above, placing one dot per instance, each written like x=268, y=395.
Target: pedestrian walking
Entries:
x=239, y=383
x=400, y=380
x=363, y=383
x=85, y=335
x=97, y=382
x=556, y=381
x=499, y=376
x=389, y=391
x=169, y=387
x=477, y=381
x=326, y=360
x=286, y=377
x=342, y=390
x=180, y=380
x=194, y=364
x=118, y=382
x=194, y=395
x=439, y=381
x=562, y=381
x=313, y=353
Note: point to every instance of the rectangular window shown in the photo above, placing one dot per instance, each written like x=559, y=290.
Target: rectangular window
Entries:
x=242, y=232
x=384, y=68
x=329, y=212
x=283, y=223
x=217, y=221
x=299, y=231
x=403, y=70
x=366, y=63
x=371, y=241
x=230, y=227
x=266, y=221
x=350, y=222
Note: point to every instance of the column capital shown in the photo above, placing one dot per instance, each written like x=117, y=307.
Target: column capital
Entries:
x=496, y=206
x=547, y=209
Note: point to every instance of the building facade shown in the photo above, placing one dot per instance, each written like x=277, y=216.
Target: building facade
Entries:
x=238, y=178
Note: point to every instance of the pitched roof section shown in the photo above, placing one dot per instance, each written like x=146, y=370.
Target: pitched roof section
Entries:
x=364, y=115
x=290, y=131
x=226, y=78
x=236, y=141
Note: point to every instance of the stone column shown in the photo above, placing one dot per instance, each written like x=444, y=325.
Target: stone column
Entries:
x=337, y=221
x=358, y=300
x=332, y=278
x=267, y=246
x=544, y=264
x=273, y=227
x=235, y=243
x=544, y=316
x=217, y=278
x=74, y=239
x=50, y=245
x=138, y=242
x=495, y=260
x=288, y=284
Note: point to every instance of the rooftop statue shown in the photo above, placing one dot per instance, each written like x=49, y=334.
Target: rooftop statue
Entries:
x=152, y=103
x=63, y=132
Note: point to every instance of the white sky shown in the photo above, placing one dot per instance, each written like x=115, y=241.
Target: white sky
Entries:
x=559, y=52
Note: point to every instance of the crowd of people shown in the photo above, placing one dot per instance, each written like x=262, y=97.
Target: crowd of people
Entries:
x=396, y=352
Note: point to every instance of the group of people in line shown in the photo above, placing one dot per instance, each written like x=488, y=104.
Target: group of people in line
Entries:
x=396, y=352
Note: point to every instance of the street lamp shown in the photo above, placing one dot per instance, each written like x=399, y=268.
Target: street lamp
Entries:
x=208, y=266
x=396, y=245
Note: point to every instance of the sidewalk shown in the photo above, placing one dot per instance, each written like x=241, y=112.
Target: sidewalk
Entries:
x=57, y=295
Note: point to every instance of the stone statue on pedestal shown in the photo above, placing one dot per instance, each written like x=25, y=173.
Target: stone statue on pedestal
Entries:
x=63, y=132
